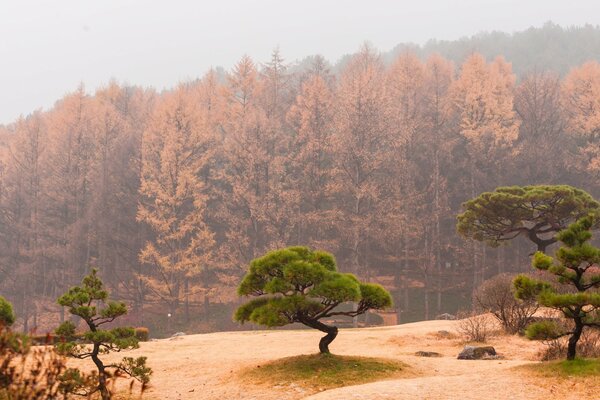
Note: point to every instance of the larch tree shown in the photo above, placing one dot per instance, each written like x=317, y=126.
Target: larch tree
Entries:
x=483, y=99
x=581, y=103
x=25, y=212
x=361, y=146
x=252, y=165
x=110, y=131
x=405, y=94
x=70, y=152
x=177, y=146
x=537, y=103
x=435, y=145
x=311, y=118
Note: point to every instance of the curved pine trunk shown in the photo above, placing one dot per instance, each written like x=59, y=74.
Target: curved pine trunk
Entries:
x=327, y=339
x=331, y=333
x=572, y=347
x=102, y=384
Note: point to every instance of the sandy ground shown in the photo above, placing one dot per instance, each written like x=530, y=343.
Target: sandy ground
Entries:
x=208, y=366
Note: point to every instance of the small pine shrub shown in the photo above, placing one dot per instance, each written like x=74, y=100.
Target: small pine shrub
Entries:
x=7, y=315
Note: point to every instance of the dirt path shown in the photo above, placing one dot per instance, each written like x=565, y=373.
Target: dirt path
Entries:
x=207, y=366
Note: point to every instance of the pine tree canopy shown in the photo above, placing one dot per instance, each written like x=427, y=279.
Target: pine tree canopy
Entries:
x=537, y=212
x=297, y=284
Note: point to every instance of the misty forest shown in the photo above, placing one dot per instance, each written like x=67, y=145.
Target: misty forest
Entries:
x=170, y=194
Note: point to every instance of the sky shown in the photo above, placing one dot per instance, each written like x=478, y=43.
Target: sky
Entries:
x=49, y=47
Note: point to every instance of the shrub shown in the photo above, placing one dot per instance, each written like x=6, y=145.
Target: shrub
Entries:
x=40, y=373
x=474, y=327
x=7, y=315
x=497, y=296
x=142, y=334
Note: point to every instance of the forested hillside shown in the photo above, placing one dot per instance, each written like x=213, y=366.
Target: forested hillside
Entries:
x=550, y=47
x=170, y=194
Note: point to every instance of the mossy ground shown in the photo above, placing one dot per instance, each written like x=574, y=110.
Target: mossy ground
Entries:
x=565, y=369
x=325, y=371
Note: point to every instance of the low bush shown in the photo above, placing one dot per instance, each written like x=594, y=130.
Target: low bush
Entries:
x=497, y=296
x=475, y=327
x=142, y=334
x=40, y=373
x=7, y=315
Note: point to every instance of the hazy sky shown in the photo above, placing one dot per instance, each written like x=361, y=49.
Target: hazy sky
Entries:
x=48, y=46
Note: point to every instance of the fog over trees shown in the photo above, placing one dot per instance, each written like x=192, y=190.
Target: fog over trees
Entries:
x=170, y=195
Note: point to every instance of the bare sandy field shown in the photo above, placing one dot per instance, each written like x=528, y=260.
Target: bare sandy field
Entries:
x=208, y=366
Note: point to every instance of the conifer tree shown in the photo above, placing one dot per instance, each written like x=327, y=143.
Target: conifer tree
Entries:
x=537, y=212
x=297, y=284
x=576, y=266
x=83, y=301
x=581, y=102
x=177, y=146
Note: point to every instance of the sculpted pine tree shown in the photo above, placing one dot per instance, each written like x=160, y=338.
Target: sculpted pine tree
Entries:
x=536, y=212
x=576, y=266
x=297, y=284
x=83, y=301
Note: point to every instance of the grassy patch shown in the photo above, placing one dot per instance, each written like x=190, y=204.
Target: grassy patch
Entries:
x=324, y=371
x=564, y=369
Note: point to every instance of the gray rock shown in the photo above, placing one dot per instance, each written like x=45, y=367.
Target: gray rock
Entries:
x=178, y=334
x=446, y=316
x=427, y=354
x=478, y=353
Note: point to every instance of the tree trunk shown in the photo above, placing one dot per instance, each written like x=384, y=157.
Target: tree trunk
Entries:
x=572, y=348
x=331, y=333
x=206, y=308
x=186, y=288
x=327, y=339
x=102, y=388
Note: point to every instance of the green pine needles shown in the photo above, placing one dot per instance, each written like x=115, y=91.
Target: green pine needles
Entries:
x=84, y=301
x=7, y=315
x=576, y=266
x=297, y=284
x=536, y=212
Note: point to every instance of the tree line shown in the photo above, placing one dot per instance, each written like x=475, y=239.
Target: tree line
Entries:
x=171, y=194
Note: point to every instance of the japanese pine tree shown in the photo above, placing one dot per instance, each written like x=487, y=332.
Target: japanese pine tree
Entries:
x=576, y=266
x=297, y=284
x=84, y=301
x=537, y=212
